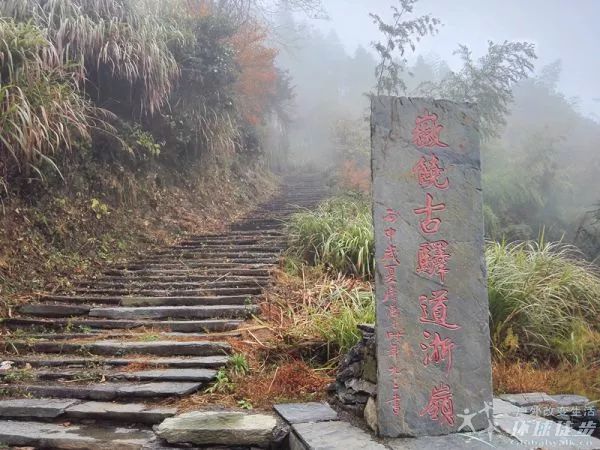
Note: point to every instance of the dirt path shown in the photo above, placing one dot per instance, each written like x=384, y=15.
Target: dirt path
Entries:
x=89, y=366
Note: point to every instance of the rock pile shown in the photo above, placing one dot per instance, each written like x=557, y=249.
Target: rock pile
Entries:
x=357, y=376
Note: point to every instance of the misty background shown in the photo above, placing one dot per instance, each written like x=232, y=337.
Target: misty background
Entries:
x=540, y=170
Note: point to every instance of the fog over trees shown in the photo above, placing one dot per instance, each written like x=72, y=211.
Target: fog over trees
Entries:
x=539, y=147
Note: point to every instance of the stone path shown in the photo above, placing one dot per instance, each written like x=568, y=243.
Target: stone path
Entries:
x=316, y=426
x=152, y=329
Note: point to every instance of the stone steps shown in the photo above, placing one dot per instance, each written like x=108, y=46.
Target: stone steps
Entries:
x=104, y=391
x=75, y=409
x=130, y=300
x=167, y=262
x=174, y=312
x=183, y=326
x=133, y=285
x=120, y=292
x=139, y=335
x=191, y=271
x=258, y=238
x=135, y=313
x=188, y=277
x=68, y=361
x=144, y=331
x=223, y=249
x=80, y=437
x=118, y=348
x=197, y=375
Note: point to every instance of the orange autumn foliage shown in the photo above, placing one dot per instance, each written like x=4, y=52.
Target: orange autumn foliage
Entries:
x=199, y=8
x=355, y=178
x=257, y=81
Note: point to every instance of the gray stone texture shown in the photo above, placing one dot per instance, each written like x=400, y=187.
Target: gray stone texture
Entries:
x=169, y=375
x=471, y=441
x=306, y=412
x=218, y=428
x=111, y=391
x=395, y=186
x=537, y=432
x=121, y=412
x=529, y=399
x=80, y=437
x=43, y=408
x=370, y=414
x=332, y=436
x=570, y=400
x=504, y=407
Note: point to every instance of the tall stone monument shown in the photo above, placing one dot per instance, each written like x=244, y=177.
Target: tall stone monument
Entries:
x=433, y=341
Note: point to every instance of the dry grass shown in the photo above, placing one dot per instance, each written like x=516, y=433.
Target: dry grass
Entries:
x=287, y=349
x=519, y=377
x=274, y=377
x=317, y=314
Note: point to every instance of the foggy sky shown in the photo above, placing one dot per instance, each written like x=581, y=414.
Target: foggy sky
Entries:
x=560, y=29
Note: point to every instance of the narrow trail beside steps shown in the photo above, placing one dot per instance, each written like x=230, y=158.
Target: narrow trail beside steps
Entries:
x=92, y=364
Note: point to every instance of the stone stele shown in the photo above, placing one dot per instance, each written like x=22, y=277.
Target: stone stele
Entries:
x=433, y=342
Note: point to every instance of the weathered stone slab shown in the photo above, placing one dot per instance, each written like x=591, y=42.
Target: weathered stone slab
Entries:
x=46, y=408
x=160, y=348
x=109, y=391
x=306, y=412
x=50, y=310
x=103, y=392
x=111, y=347
x=432, y=306
x=471, y=441
x=185, y=301
x=207, y=362
x=169, y=375
x=330, y=436
x=160, y=312
x=504, y=407
x=529, y=399
x=119, y=412
x=159, y=389
x=568, y=400
x=537, y=432
x=80, y=437
x=218, y=428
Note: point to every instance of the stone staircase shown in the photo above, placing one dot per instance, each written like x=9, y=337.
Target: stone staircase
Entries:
x=90, y=367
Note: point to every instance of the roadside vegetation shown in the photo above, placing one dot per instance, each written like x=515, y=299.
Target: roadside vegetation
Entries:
x=544, y=297
x=118, y=118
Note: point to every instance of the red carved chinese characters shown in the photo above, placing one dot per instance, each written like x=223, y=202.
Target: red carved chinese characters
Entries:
x=395, y=401
x=391, y=216
x=430, y=225
x=432, y=259
x=441, y=405
x=426, y=133
x=394, y=334
x=429, y=173
x=434, y=310
x=437, y=350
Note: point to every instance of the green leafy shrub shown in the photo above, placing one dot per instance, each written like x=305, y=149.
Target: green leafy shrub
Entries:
x=544, y=301
x=338, y=234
